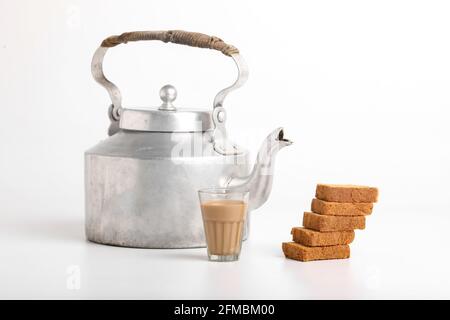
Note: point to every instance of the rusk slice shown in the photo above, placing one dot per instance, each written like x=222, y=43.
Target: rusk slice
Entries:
x=321, y=222
x=341, y=208
x=312, y=238
x=346, y=193
x=300, y=252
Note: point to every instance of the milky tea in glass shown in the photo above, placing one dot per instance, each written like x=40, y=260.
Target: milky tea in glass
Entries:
x=224, y=214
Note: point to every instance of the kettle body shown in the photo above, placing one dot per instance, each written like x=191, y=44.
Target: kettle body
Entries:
x=139, y=194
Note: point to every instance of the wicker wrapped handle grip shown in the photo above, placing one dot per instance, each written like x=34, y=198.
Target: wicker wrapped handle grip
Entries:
x=193, y=39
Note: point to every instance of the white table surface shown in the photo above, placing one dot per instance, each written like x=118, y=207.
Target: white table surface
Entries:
x=393, y=258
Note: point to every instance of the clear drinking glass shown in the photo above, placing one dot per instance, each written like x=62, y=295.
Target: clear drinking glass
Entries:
x=224, y=213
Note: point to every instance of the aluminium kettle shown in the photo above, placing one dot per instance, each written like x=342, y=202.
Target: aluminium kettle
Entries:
x=141, y=182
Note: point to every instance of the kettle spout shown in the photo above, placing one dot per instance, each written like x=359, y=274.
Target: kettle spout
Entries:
x=259, y=182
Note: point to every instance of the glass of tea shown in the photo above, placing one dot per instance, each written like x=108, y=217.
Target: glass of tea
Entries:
x=224, y=213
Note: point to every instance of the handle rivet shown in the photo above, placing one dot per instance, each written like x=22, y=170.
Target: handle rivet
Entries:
x=221, y=116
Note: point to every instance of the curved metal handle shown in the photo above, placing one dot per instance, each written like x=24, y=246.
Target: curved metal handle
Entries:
x=193, y=39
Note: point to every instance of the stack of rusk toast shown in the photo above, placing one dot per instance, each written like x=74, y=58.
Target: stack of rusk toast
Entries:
x=336, y=211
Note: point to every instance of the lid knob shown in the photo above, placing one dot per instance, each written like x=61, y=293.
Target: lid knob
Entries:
x=168, y=94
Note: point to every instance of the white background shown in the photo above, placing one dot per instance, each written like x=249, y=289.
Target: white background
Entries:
x=362, y=87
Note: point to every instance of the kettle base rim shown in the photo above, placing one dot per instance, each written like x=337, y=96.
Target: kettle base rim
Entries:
x=137, y=246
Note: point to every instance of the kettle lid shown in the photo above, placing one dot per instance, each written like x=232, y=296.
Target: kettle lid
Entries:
x=166, y=118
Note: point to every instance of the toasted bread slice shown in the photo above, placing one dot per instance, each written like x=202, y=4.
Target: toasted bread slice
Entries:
x=320, y=222
x=346, y=193
x=341, y=208
x=312, y=238
x=300, y=252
